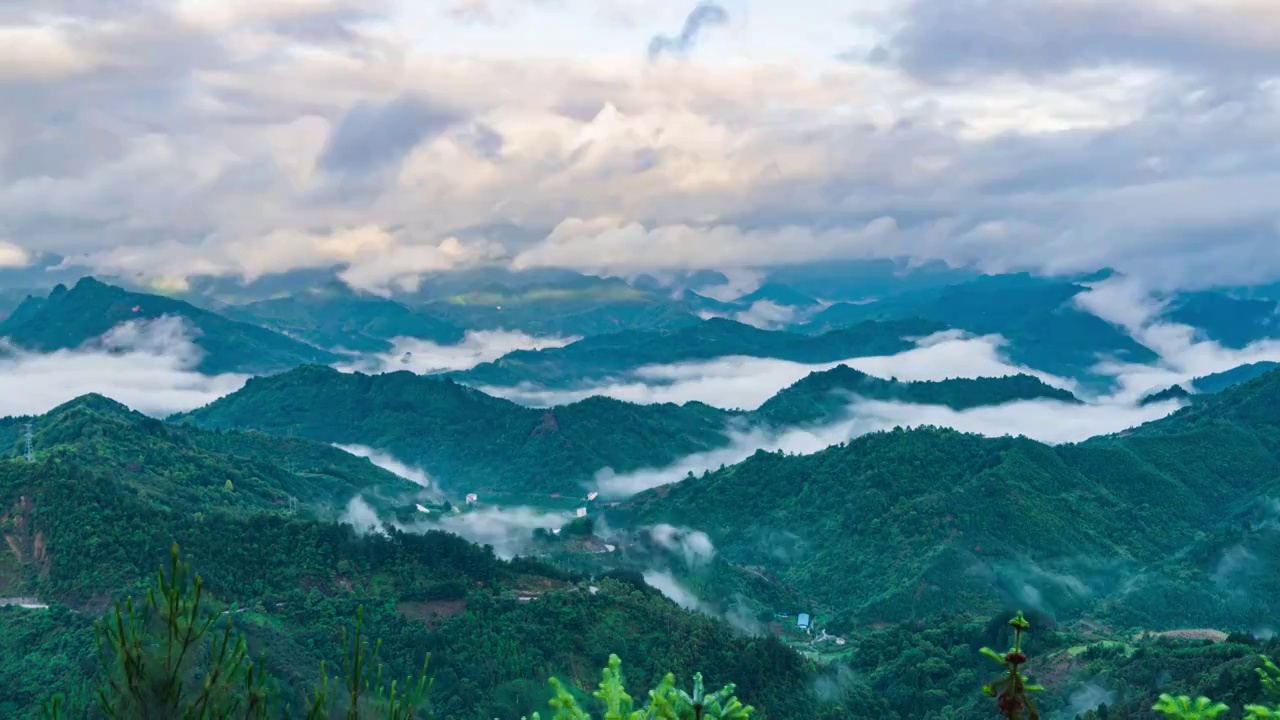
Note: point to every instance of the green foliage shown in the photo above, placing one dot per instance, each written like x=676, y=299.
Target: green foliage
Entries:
x=110, y=489
x=665, y=702
x=1184, y=708
x=1011, y=691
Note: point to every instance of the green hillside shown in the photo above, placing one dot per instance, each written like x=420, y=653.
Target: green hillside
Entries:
x=68, y=319
x=109, y=491
x=906, y=524
x=823, y=395
x=473, y=442
x=468, y=440
x=609, y=355
x=334, y=316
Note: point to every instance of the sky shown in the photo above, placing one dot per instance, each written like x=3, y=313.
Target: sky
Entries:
x=166, y=139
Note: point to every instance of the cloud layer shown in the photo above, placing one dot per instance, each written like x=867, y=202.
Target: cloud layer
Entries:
x=745, y=383
x=402, y=138
x=146, y=365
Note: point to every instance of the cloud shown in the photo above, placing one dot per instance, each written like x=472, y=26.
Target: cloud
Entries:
x=13, y=255
x=705, y=15
x=174, y=140
x=694, y=546
x=361, y=515
x=1183, y=350
x=40, y=54
x=745, y=383
x=667, y=584
x=387, y=462
x=509, y=530
x=146, y=365
x=478, y=346
x=1056, y=36
x=376, y=136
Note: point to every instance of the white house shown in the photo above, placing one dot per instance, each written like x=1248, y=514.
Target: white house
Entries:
x=592, y=495
x=582, y=512
x=472, y=498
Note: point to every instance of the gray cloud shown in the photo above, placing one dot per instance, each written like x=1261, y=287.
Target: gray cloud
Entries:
x=943, y=40
x=705, y=15
x=376, y=136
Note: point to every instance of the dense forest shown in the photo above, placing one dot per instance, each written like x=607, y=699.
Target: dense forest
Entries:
x=903, y=524
x=83, y=526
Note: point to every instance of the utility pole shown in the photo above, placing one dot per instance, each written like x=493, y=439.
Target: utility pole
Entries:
x=29, y=455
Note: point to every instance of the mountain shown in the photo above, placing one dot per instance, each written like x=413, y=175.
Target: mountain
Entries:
x=859, y=280
x=607, y=356
x=823, y=395
x=69, y=319
x=1170, y=523
x=1232, y=321
x=778, y=295
x=1218, y=382
x=1036, y=315
x=1210, y=384
x=573, y=307
x=108, y=492
x=470, y=441
x=335, y=316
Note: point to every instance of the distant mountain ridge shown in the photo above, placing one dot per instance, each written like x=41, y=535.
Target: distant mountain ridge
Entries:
x=70, y=318
x=611, y=355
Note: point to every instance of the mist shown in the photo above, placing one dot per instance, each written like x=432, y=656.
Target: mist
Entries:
x=666, y=583
x=1184, y=352
x=424, y=357
x=745, y=383
x=148, y=365
x=1049, y=421
x=390, y=464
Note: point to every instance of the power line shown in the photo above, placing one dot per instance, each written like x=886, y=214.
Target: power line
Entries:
x=29, y=455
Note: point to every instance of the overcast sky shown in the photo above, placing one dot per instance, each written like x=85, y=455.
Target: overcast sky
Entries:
x=406, y=136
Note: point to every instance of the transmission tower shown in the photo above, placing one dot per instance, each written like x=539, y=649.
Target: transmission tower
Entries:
x=29, y=455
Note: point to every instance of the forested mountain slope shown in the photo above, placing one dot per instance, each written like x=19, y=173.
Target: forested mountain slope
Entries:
x=472, y=441
x=469, y=440
x=108, y=492
x=823, y=395
x=71, y=318
x=909, y=523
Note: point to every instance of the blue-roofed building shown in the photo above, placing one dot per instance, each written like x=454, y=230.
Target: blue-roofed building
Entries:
x=803, y=621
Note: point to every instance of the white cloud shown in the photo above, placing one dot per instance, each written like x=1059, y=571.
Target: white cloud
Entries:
x=13, y=255
x=694, y=546
x=1183, y=350
x=148, y=366
x=509, y=531
x=745, y=383
x=387, y=462
x=478, y=346
x=666, y=583
x=40, y=54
